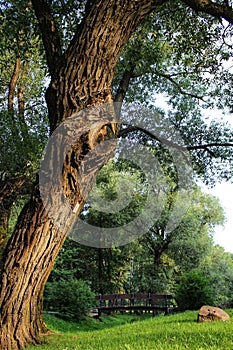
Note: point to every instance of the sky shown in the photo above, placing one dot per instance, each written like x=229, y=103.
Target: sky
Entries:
x=224, y=191
x=224, y=235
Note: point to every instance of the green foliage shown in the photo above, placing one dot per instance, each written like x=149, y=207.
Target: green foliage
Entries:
x=218, y=267
x=71, y=299
x=192, y=241
x=193, y=291
x=185, y=59
x=118, y=196
x=70, y=263
x=105, y=270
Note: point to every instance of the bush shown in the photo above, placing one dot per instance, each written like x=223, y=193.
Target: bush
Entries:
x=70, y=299
x=193, y=291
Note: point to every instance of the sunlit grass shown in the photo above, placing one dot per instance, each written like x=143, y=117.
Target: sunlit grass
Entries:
x=179, y=331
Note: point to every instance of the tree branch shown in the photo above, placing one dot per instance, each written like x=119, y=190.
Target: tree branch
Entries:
x=213, y=144
x=173, y=81
x=206, y=147
x=183, y=92
x=172, y=144
x=212, y=8
x=124, y=84
x=50, y=35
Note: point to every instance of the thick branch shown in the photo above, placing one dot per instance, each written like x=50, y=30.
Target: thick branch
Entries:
x=172, y=144
x=212, y=8
x=50, y=35
x=20, y=94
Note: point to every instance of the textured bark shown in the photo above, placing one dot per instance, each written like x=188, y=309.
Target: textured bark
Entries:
x=95, y=50
x=22, y=279
x=81, y=77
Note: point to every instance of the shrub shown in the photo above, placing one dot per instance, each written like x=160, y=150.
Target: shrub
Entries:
x=193, y=291
x=71, y=299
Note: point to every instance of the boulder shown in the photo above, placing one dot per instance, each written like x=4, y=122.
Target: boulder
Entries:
x=210, y=313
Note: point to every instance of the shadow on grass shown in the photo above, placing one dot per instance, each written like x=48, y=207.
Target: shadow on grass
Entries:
x=89, y=324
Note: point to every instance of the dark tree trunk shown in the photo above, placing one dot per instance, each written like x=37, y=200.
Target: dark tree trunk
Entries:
x=81, y=77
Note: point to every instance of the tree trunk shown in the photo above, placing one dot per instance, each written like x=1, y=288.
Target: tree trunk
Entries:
x=82, y=77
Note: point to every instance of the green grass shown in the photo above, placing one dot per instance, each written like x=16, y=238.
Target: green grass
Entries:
x=179, y=331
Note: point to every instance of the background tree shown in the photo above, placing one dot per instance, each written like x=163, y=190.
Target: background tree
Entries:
x=217, y=266
x=24, y=124
x=154, y=262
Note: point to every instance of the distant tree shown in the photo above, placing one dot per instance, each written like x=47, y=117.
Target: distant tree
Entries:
x=24, y=124
x=166, y=255
x=217, y=265
x=193, y=239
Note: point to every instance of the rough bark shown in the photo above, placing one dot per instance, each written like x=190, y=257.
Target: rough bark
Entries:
x=95, y=49
x=20, y=95
x=81, y=77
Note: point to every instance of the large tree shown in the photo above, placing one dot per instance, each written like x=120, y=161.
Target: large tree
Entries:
x=81, y=76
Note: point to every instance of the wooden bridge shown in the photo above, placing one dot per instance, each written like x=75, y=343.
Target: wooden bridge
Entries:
x=141, y=302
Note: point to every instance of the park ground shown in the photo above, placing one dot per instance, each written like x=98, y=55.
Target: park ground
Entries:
x=131, y=332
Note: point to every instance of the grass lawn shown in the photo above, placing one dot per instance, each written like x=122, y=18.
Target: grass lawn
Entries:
x=128, y=332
